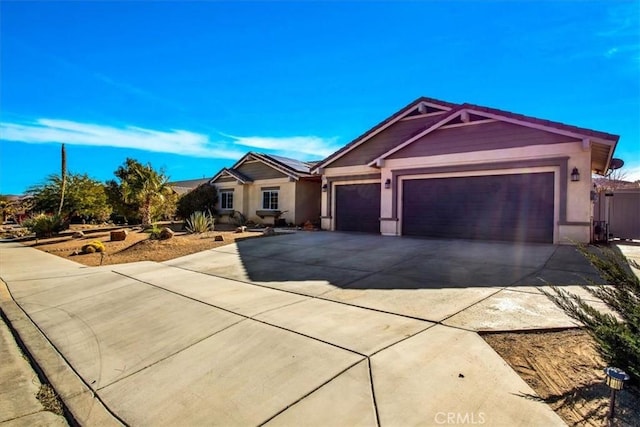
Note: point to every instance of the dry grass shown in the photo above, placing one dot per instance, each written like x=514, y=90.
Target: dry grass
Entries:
x=49, y=399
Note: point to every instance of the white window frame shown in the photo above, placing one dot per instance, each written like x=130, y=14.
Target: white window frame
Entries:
x=270, y=204
x=224, y=202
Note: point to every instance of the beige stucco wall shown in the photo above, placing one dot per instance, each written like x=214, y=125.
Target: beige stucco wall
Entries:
x=247, y=199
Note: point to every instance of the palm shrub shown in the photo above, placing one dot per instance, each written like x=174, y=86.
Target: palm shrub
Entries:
x=618, y=341
x=45, y=225
x=199, y=222
x=154, y=231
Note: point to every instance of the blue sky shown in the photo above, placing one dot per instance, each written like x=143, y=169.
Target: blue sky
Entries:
x=192, y=86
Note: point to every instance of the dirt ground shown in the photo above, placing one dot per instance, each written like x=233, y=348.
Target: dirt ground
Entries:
x=136, y=247
x=565, y=370
x=562, y=367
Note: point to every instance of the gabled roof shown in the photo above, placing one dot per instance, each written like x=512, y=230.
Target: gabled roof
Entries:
x=292, y=165
x=602, y=148
x=444, y=105
x=233, y=174
x=183, y=187
x=293, y=168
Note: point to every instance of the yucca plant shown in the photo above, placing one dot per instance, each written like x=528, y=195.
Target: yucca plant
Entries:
x=200, y=222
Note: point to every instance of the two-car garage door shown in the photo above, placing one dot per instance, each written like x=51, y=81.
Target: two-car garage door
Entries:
x=517, y=207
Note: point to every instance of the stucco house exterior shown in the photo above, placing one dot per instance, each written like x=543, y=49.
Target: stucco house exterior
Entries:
x=440, y=169
x=268, y=189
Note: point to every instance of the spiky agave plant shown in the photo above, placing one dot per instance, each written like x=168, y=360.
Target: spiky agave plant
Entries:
x=200, y=222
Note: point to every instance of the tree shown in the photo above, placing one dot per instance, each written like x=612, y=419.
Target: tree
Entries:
x=202, y=198
x=142, y=188
x=63, y=174
x=84, y=197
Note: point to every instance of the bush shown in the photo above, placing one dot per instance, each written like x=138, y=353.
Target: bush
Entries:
x=238, y=219
x=203, y=198
x=45, y=225
x=154, y=232
x=618, y=341
x=199, y=222
x=95, y=246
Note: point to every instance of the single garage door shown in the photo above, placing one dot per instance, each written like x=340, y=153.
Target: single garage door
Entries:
x=515, y=207
x=358, y=207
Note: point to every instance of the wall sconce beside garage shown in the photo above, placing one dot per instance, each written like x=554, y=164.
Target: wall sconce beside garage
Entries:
x=575, y=175
x=387, y=184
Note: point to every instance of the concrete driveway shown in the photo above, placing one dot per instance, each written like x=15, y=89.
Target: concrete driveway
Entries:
x=308, y=328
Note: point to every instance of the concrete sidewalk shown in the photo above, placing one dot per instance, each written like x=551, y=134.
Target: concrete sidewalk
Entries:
x=197, y=341
x=19, y=386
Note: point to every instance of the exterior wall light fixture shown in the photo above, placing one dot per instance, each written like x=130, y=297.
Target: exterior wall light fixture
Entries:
x=387, y=184
x=324, y=188
x=575, y=175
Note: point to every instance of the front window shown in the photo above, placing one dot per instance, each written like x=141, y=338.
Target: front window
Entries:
x=270, y=200
x=226, y=200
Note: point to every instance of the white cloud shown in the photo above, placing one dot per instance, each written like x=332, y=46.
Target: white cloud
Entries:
x=631, y=173
x=302, y=146
x=175, y=141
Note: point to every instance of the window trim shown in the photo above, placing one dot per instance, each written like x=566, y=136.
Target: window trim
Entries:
x=222, y=200
x=271, y=192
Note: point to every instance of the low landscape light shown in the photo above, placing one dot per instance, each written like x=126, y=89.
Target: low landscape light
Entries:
x=615, y=380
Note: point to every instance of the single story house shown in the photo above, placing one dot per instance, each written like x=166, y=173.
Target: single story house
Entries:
x=268, y=189
x=440, y=169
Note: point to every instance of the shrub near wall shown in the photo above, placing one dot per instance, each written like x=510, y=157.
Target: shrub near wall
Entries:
x=45, y=225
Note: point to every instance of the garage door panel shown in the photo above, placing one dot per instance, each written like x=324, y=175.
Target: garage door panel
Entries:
x=358, y=207
x=515, y=207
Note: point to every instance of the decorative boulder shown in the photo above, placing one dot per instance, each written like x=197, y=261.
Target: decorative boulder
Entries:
x=166, y=233
x=268, y=232
x=241, y=229
x=118, y=235
x=78, y=235
x=218, y=238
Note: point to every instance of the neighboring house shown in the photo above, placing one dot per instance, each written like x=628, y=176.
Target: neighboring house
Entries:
x=183, y=187
x=440, y=169
x=269, y=189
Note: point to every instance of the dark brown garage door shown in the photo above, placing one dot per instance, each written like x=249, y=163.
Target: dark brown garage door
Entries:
x=497, y=207
x=358, y=207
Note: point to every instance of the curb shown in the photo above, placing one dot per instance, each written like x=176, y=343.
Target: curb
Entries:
x=82, y=406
